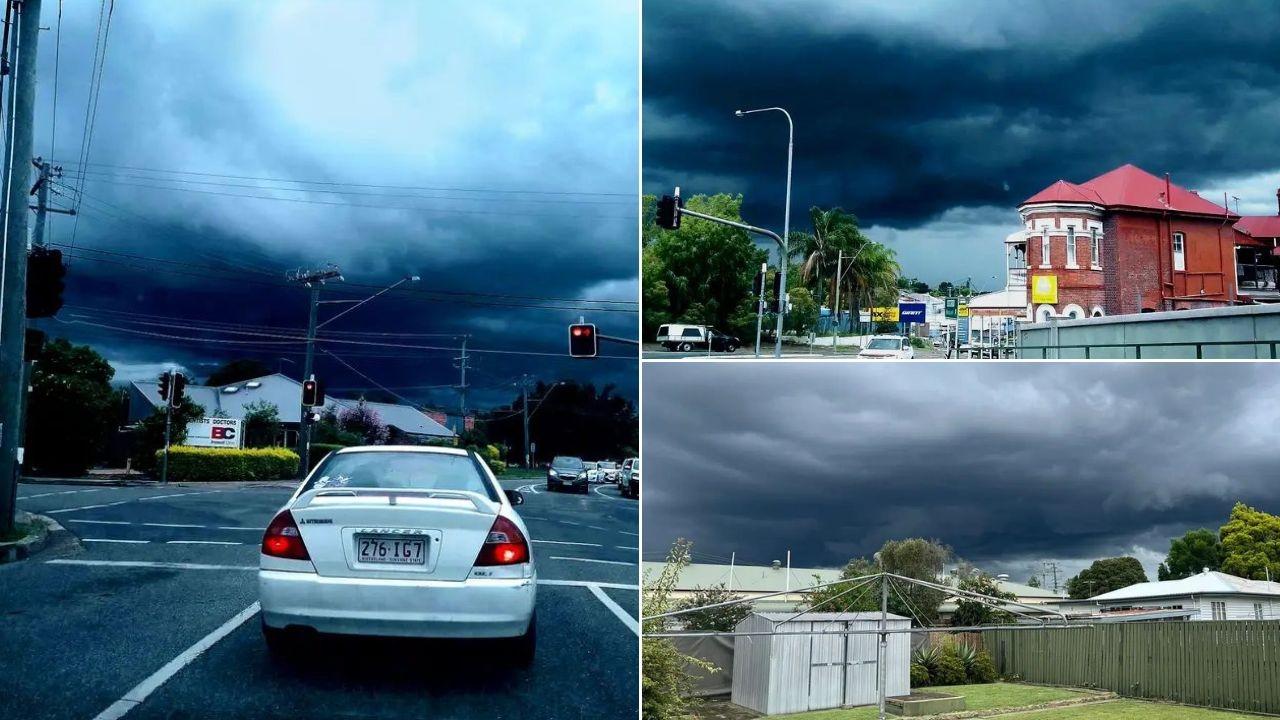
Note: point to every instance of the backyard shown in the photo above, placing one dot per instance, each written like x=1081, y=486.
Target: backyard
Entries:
x=1003, y=699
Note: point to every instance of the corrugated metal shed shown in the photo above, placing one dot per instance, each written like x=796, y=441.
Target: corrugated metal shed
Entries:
x=775, y=674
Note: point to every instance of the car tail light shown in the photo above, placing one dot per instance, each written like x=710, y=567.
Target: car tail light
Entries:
x=504, y=546
x=283, y=540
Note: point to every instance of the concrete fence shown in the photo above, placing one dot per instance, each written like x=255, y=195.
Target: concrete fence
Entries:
x=1224, y=664
x=1244, y=332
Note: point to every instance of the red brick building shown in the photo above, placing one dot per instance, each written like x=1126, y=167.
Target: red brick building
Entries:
x=1128, y=241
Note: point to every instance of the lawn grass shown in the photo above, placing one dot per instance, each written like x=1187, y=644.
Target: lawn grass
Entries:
x=20, y=530
x=1130, y=710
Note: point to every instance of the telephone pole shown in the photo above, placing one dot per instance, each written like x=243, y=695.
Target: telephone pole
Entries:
x=312, y=279
x=462, y=383
x=524, y=410
x=1053, y=568
x=13, y=267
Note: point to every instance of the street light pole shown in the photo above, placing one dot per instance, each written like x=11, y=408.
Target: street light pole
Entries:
x=786, y=224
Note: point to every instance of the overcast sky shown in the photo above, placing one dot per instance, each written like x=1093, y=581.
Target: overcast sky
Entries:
x=510, y=133
x=932, y=120
x=1011, y=464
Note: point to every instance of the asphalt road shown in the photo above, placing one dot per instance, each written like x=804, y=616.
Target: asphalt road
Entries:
x=656, y=352
x=152, y=616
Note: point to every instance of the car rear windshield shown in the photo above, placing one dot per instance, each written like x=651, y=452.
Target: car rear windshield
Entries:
x=608, y=465
x=884, y=344
x=401, y=471
x=571, y=463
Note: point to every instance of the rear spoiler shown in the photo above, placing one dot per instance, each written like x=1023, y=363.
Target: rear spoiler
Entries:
x=481, y=503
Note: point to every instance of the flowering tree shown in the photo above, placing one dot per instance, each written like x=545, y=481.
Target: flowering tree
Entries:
x=365, y=422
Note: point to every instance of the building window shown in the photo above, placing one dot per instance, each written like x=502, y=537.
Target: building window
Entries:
x=1095, y=251
x=1219, y=610
x=1179, y=251
x=1071, y=247
x=1044, y=248
x=1257, y=611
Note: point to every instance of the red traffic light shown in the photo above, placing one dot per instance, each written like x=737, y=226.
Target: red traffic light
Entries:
x=312, y=393
x=582, y=340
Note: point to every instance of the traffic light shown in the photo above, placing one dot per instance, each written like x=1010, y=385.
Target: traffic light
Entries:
x=163, y=384
x=669, y=212
x=757, y=287
x=45, y=272
x=778, y=300
x=583, y=341
x=33, y=345
x=312, y=392
x=179, y=387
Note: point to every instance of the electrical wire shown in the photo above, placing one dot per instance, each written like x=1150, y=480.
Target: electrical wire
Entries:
x=95, y=93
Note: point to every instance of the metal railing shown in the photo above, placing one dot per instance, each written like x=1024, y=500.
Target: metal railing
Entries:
x=1138, y=346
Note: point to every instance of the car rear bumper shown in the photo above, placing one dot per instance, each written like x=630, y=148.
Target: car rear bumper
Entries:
x=475, y=608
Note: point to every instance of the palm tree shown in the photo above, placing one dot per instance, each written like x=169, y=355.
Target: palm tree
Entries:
x=874, y=270
x=834, y=231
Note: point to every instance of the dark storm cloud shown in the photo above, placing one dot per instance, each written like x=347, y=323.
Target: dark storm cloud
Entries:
x=504, y=99
x=1008, y=464
x=905, y=111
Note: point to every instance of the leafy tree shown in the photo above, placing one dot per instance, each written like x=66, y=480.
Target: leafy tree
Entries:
x=261, y=424
x=848, y=597
x=237, y=370
x=722, y=619
x=1190, y=554
x=971, y=612
x=364, y=422
x=945, y=288
x=914, y=558
x=918, y=286
x=327, y=431
x=150, y=434
x=666, y=687
x=804, y=312
x=1251, y=544
x=1034, y=581
x=835, y=232
x=701, y=273
x=71, y=410
x=1106, y=575
x=567, y=418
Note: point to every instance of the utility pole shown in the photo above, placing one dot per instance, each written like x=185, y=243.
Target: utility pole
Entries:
x=13, y=268
x=1053, y=568
x=311, y=279
x=462, y=383
x=835, y=305
x=883, y=647
x=524, y=410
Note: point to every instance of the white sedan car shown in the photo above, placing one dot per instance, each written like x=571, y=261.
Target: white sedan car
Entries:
x=888, y=347
x=400, y=541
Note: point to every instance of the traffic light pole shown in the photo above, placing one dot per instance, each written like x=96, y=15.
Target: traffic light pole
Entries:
x=764, y=271
x=13, y=269
x=304, y=427
x=168, y=423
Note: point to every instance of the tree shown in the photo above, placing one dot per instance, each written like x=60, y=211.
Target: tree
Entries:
x=365, y=422
x=567, y=418
x=1034, y=581
x=261, y=424
x=804, y=312
x=150, y=434
x=945, y=288
x=666, y=686
x=914, y=558
x=1190, y=554
x=71, y=410
x=722, y=619
x=835, y=233
x=1106, y=575
x=918, y=286
x=237, y=370
x=327, y=431
x=970, y=612
x=1251, y=544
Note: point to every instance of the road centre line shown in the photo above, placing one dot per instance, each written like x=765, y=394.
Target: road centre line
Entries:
x=591, y=560
x=60, y=492
x=142, y=690
x=112, y=540
x=199, y=566
x=164, y=525
x=174, y=495
x=626, y=547
x=86, y=507
x=566, y=542
x=201, y=542
x=615, y=608
x=624, y=532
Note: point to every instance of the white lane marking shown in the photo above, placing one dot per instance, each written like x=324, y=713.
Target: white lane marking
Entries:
x=201, y=542
x=534, y=488
x=532, y=517
x=626, y=547
x=150, y=564
x=597, y=527
x=229, y=527
x=624, y=532
x=99, y=522
x=585, y=583
x=142, y=690
x=615, y=608
x=566, y=542
x=592, y=560
x=174, y=495
x=164, y=525
x=171, y=525
x=108, y=540
x=85, y=507
x=598, y=488
x=62, y=492
x=569, y=522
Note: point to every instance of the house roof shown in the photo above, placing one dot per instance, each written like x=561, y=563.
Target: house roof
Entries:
x=1007, y=298
x=284, y=392
x=1206, y=583
x=747, y=578
x=1260, y=226
x=827, y=616
x=1132, y=187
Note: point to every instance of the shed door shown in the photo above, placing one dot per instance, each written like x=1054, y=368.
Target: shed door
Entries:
x=861, y=677
x=826, y=666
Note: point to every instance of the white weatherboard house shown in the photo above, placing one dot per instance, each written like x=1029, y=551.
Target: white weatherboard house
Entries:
x=1207, y=596
x=776, y=673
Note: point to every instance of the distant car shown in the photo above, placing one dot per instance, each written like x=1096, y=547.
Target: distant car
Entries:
x=622, y=474
x=687, y=338
x=567, y=472
x=399, y=541
x=886, y=347
x=593, y=472
x=629, y=484
x=608, y=471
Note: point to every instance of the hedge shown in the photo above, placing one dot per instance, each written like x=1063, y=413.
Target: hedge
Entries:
x=193, y=464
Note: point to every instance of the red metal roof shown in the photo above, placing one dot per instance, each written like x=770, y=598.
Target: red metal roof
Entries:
x=1130, y=186
x=1260, y=226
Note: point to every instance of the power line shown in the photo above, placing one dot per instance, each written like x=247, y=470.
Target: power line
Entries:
x=57, y=61
x=95, y=93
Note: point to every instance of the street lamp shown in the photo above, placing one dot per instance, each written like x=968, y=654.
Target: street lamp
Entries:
x=786, y=222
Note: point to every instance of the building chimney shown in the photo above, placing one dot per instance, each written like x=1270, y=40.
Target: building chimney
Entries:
x=777, y=564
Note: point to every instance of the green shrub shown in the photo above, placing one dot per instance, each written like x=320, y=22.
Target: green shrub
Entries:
x=950, y=670
x=919, y=342
x=193, y=464
x=919, y=675
x=926, y=656
x=983, y=669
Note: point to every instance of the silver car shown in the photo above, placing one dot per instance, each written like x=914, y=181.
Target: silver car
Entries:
x=400, y=541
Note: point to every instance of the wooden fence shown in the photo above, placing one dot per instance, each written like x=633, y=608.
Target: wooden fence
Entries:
x=1226, y=664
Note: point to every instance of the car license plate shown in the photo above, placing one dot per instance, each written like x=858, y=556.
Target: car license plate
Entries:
x=391, y=550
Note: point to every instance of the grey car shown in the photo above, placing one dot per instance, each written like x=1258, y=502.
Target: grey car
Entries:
x=567, y=472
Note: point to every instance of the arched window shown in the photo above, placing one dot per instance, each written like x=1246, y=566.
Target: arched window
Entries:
x=1044, y=248
x=1097, y=312
x=1073, y=312
x=1044, y=313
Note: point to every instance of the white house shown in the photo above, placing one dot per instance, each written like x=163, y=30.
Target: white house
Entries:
x=750, y=581
x=1207, y=596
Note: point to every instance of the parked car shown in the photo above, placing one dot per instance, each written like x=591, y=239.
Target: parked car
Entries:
x=609, y=471
x=895, y=347
x=687, y=338
x=629, y=485
x=593, y=472
x=567, y=472
x=622, y=474
x=399, y=541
